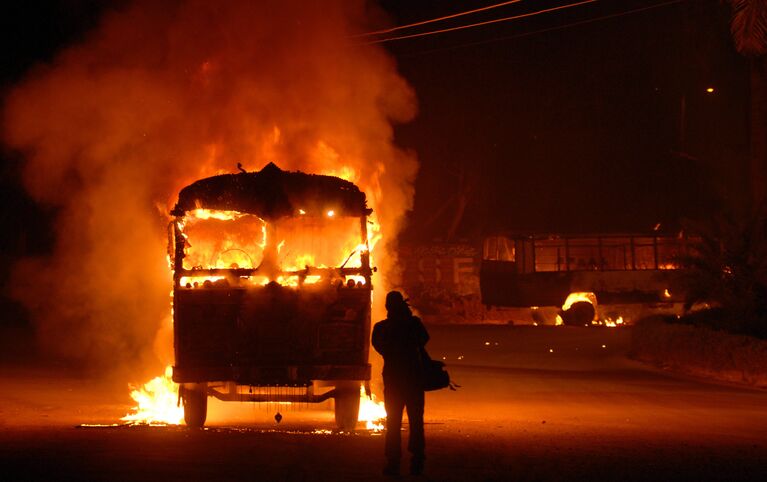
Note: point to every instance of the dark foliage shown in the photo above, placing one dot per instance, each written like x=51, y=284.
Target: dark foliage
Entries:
x=749, y=26
x=727, y=271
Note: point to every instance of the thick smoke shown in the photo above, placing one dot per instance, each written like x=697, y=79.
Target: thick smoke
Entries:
x=162, y=94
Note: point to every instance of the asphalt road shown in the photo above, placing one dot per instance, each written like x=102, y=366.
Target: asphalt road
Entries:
x=535, y=403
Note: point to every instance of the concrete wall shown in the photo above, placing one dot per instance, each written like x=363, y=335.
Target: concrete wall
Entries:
x=701, y=352
x=442, y=281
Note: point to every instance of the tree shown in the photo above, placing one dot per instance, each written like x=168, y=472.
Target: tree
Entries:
x=748, y=25
x=727, y=270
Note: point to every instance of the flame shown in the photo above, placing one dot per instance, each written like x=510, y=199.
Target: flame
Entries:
x=158, y=108
x=198, y=280
x=612, y=323
x=346, y=173
x=372, y=412
x=230, y=240
x=157, y=402
x=215, y=214
x=173, y=103
x=579, y=296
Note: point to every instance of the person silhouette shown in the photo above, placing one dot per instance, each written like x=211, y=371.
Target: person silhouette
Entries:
x=400, y=339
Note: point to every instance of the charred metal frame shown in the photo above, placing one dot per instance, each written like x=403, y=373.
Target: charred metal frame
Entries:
x=285, y=393
x=268, y=194
x=521, y=282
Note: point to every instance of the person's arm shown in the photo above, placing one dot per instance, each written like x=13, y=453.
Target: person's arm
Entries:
x=422, y=336
x=378, y=342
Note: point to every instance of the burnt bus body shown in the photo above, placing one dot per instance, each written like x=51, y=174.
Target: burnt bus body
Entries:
x=623, y=270
x=237, y=329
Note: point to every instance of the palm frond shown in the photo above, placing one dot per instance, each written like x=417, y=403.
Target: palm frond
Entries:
x=727, y=268
x=748, y=25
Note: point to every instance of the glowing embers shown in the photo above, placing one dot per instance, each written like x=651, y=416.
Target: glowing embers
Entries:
x=372, y=412
x=157, y=402
x=339, y=282
x=286, y=281
x=200, y=281
x=612, y=322
x=213, y=282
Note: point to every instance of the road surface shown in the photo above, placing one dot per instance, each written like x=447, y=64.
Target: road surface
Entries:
x=535, y=403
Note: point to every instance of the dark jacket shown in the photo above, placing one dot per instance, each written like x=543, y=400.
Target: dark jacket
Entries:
x=400, y=339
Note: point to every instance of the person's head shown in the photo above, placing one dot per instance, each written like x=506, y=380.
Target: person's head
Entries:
x=396, y=304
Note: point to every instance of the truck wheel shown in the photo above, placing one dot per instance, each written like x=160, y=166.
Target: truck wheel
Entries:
x=195, y=397
x=347, y=406
x=580, y=313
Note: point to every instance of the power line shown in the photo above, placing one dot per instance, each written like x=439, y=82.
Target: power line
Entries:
x=479, y=24
x=439, y=19
x=550, y=29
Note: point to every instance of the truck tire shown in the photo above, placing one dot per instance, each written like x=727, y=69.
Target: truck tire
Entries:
x=580, y=313
x=195, y=397
x=347, y=405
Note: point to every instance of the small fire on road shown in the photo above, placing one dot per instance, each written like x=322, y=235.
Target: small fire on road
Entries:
x=372, y=412
x=157, y=404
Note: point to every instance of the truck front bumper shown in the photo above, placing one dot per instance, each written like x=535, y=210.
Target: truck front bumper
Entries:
x=271, y=375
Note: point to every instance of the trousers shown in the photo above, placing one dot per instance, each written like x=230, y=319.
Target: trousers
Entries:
x=397, y=399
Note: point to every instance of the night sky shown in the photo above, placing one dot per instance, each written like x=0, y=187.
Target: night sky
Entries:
x=31, y=32
x=561, y=122
x=570, y=127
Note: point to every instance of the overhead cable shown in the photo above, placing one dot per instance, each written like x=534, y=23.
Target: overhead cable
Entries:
x=479, y=24
x=439, y=19
x=549, y=29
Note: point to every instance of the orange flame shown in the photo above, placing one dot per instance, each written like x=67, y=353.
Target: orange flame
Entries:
x=157, y=402
x=372, y=412
x=158, y=107
x=158, y=405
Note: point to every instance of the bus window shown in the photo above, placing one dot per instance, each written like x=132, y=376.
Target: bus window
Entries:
x=584, y=254
x=644, y=253
x=616, y=254
x=549, y=255
x=669, y=252
x=499, y=248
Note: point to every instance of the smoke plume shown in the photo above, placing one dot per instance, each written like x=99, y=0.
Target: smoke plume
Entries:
x=163, y=93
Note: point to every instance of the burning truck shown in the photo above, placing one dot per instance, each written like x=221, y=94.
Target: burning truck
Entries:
x=272, y=291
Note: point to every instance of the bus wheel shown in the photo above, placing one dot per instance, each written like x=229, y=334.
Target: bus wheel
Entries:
x=579, y=314
x=347, y=405
x=195, y=397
